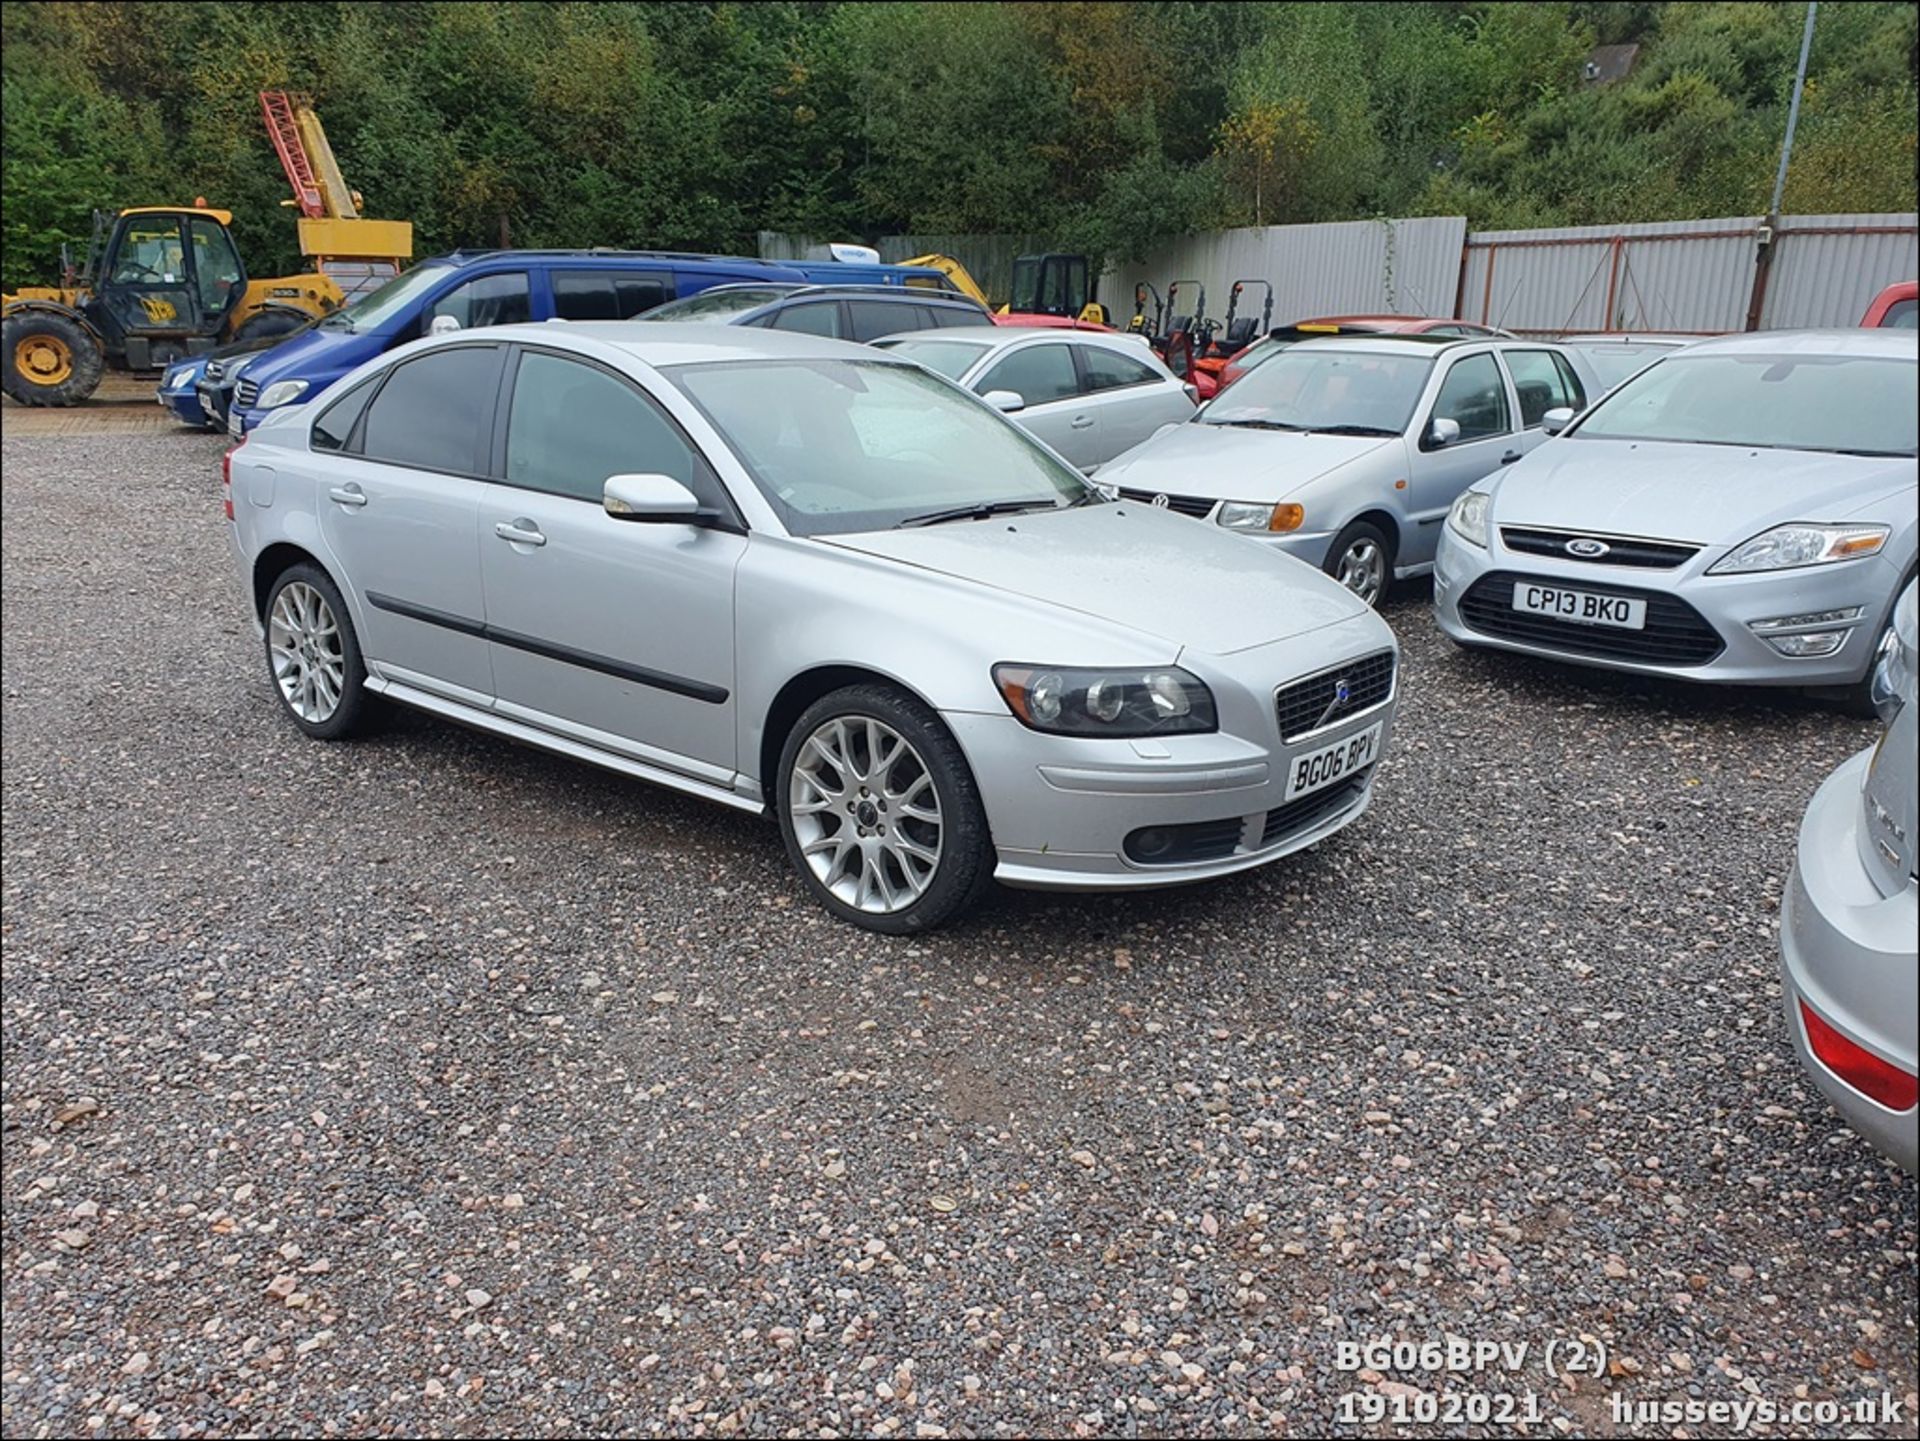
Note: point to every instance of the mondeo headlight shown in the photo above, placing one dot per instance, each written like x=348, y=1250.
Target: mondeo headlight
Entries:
x=1467, y=517
x=1082, y=701
x=282, y=392
x=1787, y=547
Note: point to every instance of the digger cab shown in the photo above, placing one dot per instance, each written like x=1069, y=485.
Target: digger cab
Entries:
x=1054, y=285
x=165, y=285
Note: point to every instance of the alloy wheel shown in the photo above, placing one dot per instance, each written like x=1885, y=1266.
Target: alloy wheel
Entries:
x=309, y=666
x=866, y=815
x=1363, y=569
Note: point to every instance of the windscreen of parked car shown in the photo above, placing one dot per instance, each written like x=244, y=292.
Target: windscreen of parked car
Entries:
x=377, y=307
x=1317, y=388
x=839, y=446
x=1847, y=404
x=1615, y=363
x=944, y=357
x=717, y=306
x=1902, y=315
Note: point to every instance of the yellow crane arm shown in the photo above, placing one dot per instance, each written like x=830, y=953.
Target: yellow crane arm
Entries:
x=956, y=274
x=334, y=194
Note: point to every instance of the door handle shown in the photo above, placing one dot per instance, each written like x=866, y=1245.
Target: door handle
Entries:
x=348, y=494
x=1510, y=457
x=520, y=532
x=1081, y=422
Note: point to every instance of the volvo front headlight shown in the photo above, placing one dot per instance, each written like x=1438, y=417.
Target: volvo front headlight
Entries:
x=1081, y=701
x=1787, y=547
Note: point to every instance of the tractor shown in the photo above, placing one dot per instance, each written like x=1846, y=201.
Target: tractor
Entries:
x=160, y=282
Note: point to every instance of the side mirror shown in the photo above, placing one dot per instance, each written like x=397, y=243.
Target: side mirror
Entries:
x=1442, y=432
x=1557, y=419
x=442, y=325
x=657, y=498
x=1005, y=401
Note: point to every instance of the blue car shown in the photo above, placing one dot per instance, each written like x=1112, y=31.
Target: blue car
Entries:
x=504, y=287
x=180, y=392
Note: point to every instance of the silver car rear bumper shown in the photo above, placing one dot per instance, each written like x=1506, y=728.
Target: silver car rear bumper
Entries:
x=1847, y=953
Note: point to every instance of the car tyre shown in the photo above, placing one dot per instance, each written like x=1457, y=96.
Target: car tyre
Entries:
x=880, y=813
x=1361, y=559
x=313, y=656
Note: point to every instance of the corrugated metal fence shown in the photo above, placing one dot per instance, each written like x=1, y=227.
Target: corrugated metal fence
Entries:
x=1682, y=276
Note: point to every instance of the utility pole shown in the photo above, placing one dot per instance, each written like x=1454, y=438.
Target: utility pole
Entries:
x=1769, y=227
x=1793, y=109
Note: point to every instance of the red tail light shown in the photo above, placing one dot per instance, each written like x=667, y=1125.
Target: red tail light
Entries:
x=1877, y=1080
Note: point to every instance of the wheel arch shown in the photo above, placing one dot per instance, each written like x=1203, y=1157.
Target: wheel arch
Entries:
x=275, y=561
x=799, y=692
x=1386, y=522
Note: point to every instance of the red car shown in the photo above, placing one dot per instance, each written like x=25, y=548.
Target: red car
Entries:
x=1281, y=336
x=1897, y=306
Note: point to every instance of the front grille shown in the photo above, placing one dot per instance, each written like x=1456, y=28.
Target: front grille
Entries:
x=1197, y=506
x=1312, y=703
x=1309, y=811
x=1675, y=633
x=1174, y=845
x=1621, y=550
x=246, y=393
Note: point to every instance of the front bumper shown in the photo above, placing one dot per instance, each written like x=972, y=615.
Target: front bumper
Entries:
x=1848, y=953
x=184, y=402
x=1727, y=604
x=1062, y=808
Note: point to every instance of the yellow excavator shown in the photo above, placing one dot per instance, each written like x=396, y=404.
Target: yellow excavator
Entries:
x=1043, y=285
x=163, y=282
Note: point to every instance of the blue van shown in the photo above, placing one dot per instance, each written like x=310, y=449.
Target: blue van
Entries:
x=501, y=287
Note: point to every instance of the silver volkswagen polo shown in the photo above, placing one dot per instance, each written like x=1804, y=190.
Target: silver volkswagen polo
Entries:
x=799, y=576
x=1346, y=451
x=1742, y=510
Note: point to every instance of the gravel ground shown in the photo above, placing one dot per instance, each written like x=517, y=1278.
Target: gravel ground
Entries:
x=433, y=1086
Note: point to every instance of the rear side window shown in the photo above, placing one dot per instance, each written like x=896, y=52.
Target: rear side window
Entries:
x=607, y=294
x=821, y=317
x=952, y=317
x=435, y=412
x=1037, y=373
x=871, y=319
x=1901, y=315
x=1474, y=396
x=1109, y=370
x=487, y=300
x=1540, y=381
x=335, y=426
x=570, y=426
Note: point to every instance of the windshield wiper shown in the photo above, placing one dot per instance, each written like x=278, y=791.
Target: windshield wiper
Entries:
x=986, y=510
x=1256, y=424
x=337, y=322
x=1351, y=430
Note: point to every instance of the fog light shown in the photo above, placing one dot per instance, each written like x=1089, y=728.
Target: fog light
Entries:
x=1150, y=843
x=1809, y=644
x=1811, y=618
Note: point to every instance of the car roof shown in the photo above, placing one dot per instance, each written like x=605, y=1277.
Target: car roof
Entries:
x=1015, y=335
x=675, y=342
x=1894, y=344
x=1390, y=343
x=1627, y=337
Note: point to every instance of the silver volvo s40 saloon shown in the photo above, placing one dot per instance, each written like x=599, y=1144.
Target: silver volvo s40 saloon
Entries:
x=1742, y=510
x=797, y=575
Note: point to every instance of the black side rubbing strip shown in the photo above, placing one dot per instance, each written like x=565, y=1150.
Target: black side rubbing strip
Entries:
x=426, y=613
x=587, y=660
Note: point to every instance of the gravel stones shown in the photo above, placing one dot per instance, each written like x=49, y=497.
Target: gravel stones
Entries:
x=1517, y=1023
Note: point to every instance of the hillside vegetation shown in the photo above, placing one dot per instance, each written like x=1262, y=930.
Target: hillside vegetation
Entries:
x=1104, y=126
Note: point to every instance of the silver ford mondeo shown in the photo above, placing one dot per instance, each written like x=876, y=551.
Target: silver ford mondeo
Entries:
x=1740, y=511
x=795, y=575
